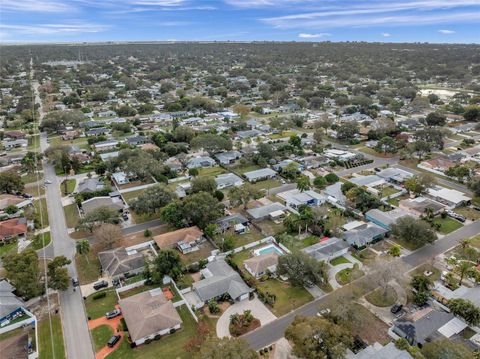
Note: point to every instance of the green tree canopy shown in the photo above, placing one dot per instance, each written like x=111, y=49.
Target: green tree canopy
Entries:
x=153, y=199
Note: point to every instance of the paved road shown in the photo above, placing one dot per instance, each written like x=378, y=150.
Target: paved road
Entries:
x=74, y=322
x=273, y=331
x=142, y=226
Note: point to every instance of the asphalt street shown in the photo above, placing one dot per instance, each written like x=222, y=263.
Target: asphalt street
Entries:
x=270, y=333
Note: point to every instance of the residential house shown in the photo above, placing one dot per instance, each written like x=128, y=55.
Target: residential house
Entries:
x=89, y=185
x=260, y=265
x=108, y=113
x=450, y=197
x=335, y=195
x=174, y=164
x=243, y=135
x=97, y=131
x=341, y=155
x=444, y=294
x=8, y=145
x=439, y=164
x=421, y=205
x=7, y=200
x=70, y=135
x=228, y=180
x=327, y=250
x=312, y=162
x=201, y=162
x=364, y=235
x=185, y=239
x=282, y=164
x=378, y=351
x=370, y=181
x=96, y=202
x=149, y=315
x=12, y=228
x=121, y=178
x=137, y=140
x=426, y=325
x=227, y=158
x=386, y=219
x=105, y=145
x=219, y=279
x=225, y=223
x=273, y=211
x=10, y=305
x=260, y=175
x=14, y=135
x=394, y=175
x=116, y=262
x=109, y=155
x=295, y=198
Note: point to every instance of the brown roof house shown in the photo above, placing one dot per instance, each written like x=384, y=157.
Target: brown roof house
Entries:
x=259, y=265
x=12, y=228
x=420, y=205
x=185, y=239
x=118, y=261
x=149, y=315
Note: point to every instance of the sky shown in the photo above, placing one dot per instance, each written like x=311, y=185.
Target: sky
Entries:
x=439, y=21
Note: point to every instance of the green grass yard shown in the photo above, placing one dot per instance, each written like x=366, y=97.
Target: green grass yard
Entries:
x=101, y=335
x=211, y=171
x=7, y=248
x=267, y=184
x=288, y=296
x=339, y=260
x=51, y=346
x=447, y=225
x=41, y=240
x=43, y=218
x=71, y=215
x=348, y=275
x=468, y=213
x=70, y=186
x=88, y=267
x=171, y=346
x=380, y=299
x=97, y=308
x=129, y=196
x=388, y=191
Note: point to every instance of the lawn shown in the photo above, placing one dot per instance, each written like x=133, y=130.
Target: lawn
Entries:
x=240, y=240
x=7, y=248
x=348, y=275
x=101, y=335
x=241, y=169
x=204, y=252
x=41, y=240
x=475, y=242
x=240, y=257
x=447, y=224
x=288, y=296
x=169, y=347
x=271, y=228
x=97, y=308
x=136, y=290
x=408, y=245
x=142, y=218
x=88, y=267
x=34, y=190
x=267, y=184
x=395, y=201
x=32, y=177
x=211, y=171
x=296, y=243
x=339, y=260
x=283, y=134
x=427, y=267
x=43, y=218
x=71, y=215
x=128, y=196
x=71, y=183
x=379, y=299
x=468, y=213
x=388, y=191
x=45, y=339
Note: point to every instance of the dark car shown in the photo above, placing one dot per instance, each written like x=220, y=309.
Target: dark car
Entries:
x=26, y=195
x=75, y=282
x=396, y=308
x=113, y=314
x=100, y=285
x=113, y=340
x=476, y=208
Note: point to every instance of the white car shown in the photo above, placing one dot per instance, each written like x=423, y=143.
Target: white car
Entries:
x=48, y=182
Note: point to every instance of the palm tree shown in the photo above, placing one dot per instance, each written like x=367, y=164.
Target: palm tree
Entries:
x=462, y=269
x=247, y=316
x=235, y=319
x=465, y=243
x=83, y=246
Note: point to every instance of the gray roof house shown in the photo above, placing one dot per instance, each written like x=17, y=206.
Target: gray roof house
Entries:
x=228, y=180
x=259, y=175
x=378, y=351
x=394, y=175
x=9, y=302
x=335, y=194
x=96, y=202
x=98, y=131
x=385, y=219
x=199, y=162
x=265, y=211
x=137, y=140
x=229, y=157
x=220, y=279
x=327, y=250
x=364, y=235
x=89, y=185
x=118, y=261
x=225, y=223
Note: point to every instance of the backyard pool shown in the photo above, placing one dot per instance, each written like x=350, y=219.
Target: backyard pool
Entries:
x=271, y=248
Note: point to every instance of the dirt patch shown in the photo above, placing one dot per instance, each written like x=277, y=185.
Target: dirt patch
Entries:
x=196, y=276
x=241, y=328
x=14, y=347
x=39, y=306
x=138, y=237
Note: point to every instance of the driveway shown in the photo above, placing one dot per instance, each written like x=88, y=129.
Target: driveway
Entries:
x=113, y=323
x=259, y=311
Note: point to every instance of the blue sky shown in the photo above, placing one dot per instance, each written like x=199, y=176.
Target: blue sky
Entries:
x=242, y=20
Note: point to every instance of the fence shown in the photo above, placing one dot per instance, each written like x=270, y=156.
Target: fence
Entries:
x=249, y=245
x=30, y=320
x=185, y=301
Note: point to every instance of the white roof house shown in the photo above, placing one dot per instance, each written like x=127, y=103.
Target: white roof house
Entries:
x=228, y=180
x=261, y=174
x=450, y=197
x=295, y=198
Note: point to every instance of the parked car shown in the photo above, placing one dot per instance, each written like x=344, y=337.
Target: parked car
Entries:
x=476, y=208
x=26, y=195
x=115, y=282
x=47, y=181
x=100, y=285
x=113, y=340
x=396, y=308
x=75, y=282
x=324, y=312
x=113, y=314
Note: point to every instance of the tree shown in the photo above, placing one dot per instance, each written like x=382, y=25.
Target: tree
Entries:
x=225, y=348
x=23, y=272
x=318, y=338
x=446, y=348
x=97, y=217
x=474, y=185
x=10, y=182
x=58, y=277
x=295, y=141
x=472, y=113
x=303, y=183
x=126, y=111
x=462, y=269
x=183, y=134
x=107, y=235
x=347, y=130
x=320, y=182
x=212, y=143
x=57, y=120
x=143, y=96
x=331, y=178
x=386, y=145
x=242, y=195
x=421, y=283
x=201, y=209
x=241, y=110
x=318, y=136
x=266, y=151
x=30, y=161
x=153, y=199
x=436, y=119
x=203, y=184
x=414, y=231
x=302, y=269
x=167, y=262
x=172, y=213
x=395, y=251
x=83, y=246
x=418, y=184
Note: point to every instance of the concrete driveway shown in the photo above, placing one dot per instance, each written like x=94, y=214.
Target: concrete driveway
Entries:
x=259, y=311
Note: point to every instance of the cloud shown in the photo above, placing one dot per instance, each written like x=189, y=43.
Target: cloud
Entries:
x=386, y=34
x=447, y=32
x=313, y=36
x=263, y=3
x=49, y=29
x=417, y=12
x=35, y=6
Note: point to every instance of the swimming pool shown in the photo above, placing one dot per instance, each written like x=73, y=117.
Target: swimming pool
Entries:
x=271, y=248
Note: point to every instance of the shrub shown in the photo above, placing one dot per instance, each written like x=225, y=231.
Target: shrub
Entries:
x=99, y=295
x=172, y=331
